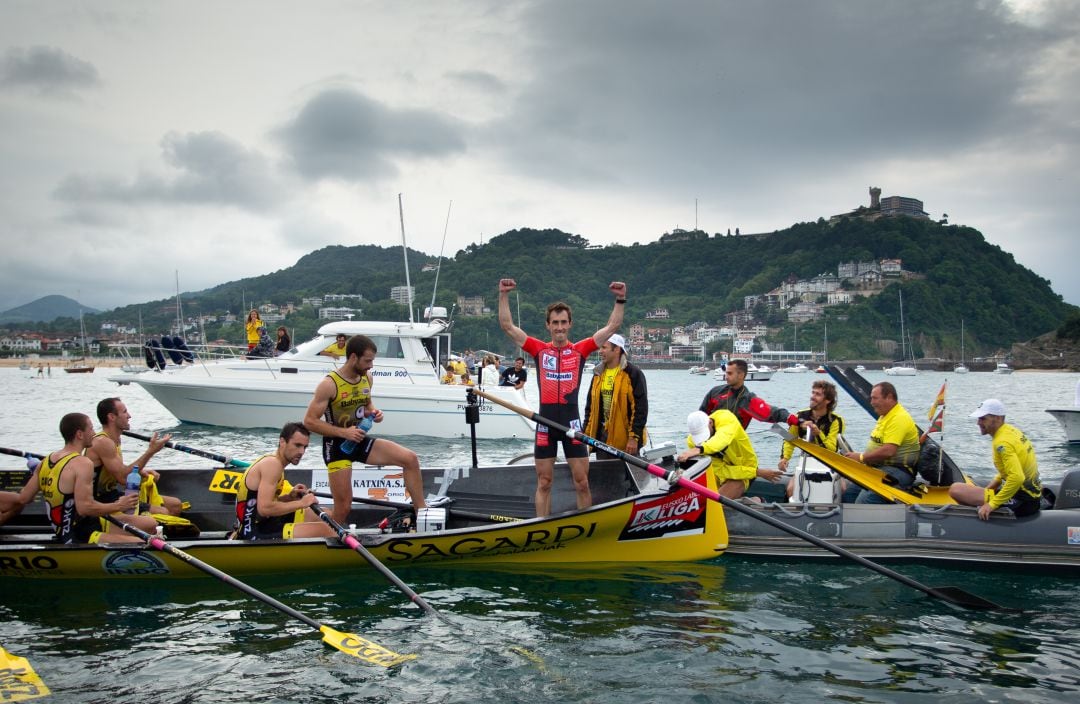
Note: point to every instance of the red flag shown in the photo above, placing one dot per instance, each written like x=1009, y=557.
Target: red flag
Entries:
x=939, y=401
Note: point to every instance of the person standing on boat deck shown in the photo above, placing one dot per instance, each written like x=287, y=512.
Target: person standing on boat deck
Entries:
x=284, y=342
x=110, y=472
x=618, y=405
x=66, y=481
x=735, y=397
x=721, y=435
x=252, y=326
x=1017, y=484
x=489, y=372
x=894, y=442
x=342, y=399
x=824, y=423
x=559, y=365
x=336, y=349
x=516, y=375
x=266, y=507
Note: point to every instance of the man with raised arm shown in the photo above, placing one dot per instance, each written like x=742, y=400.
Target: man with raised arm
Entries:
x=66, y=480
x=559, y=365
x=342, y=400
x=265, y=507
x=110, y=472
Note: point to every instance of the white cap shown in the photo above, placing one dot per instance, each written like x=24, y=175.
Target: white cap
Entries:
x=698, y=425
x=619, y=341
x=990, y=407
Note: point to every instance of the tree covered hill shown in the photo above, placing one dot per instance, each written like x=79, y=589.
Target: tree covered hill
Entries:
x=962, y=277
x=45, y=309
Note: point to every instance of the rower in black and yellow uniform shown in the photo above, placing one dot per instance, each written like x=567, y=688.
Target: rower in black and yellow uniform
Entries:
x=66, y=480
x=341, y=401
x=267, y=506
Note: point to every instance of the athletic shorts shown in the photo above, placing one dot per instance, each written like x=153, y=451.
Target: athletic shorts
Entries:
x=1020, y=505
x=337, y=460
x=275, y=527
x=546, y=445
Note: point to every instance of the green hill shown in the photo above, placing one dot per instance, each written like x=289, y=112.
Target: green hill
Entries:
x=961, y=276
x=45, y=310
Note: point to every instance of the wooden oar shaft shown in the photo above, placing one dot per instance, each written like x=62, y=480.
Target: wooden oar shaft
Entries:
x=468, y=515
x=19, y=453
x=159, y=544
x=191, y=450
x=353, y=543
x=954, y=595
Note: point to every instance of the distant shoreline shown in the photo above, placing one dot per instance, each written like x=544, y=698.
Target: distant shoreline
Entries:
x=59, y=363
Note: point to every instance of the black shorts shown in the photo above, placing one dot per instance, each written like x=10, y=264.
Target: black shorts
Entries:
x=546, y=444
x=1025, y=506
x=335, y=459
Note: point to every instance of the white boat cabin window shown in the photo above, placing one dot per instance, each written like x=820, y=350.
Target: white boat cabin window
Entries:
x=388, y=347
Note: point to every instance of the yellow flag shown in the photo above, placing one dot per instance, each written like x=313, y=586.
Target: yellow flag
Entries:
x=939, y=401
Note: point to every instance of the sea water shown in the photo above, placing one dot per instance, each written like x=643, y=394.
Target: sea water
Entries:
x=730, y=629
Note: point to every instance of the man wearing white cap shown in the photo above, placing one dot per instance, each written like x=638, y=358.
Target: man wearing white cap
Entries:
x=618, y=405
x=721, y=435
x=1016, y=485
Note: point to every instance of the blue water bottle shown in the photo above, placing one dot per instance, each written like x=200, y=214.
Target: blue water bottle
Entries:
x=365, y=424
x=134, y=481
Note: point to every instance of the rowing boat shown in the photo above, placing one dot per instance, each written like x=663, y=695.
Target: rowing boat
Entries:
x=635, y=519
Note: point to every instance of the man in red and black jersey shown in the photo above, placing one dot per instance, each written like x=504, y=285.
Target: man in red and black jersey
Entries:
x=559, y=365
x=741, y=401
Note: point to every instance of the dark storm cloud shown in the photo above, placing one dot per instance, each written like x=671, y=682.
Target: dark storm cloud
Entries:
x=47, y=70
x=341, y=133
x=210, y=169
x=723, y=90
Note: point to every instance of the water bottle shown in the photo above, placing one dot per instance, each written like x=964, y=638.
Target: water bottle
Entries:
x=365, y=424
x=134, y=481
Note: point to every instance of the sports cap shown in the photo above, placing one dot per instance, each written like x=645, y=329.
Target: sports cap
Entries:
x=698, y=425
x=989, y=407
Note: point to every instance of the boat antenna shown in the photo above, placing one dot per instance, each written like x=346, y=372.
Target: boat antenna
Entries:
x=179, y=309
x=405, y=251
x=438, y=266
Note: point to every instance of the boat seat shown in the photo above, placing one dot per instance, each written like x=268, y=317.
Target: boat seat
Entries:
x=1068, y=494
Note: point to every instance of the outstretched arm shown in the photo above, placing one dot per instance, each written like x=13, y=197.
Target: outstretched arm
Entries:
x=506, y=322
x=618, y=289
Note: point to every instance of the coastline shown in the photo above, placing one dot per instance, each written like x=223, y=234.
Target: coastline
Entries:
x=58, y=362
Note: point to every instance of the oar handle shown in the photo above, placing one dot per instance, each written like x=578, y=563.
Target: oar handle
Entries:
x=353, y=543
x=953, y=596
x=190, y=450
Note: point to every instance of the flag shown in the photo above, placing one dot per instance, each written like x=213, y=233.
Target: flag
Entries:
x=939, y=401
x=937, y=426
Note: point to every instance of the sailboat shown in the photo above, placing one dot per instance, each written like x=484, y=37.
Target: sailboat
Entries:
x=901, y=368
x=960, y=368
x=81, y=365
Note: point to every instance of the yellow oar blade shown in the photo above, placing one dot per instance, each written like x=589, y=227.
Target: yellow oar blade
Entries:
x=363, y=648
x=18, y=681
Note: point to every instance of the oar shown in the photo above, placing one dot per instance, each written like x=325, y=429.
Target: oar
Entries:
x=190, y=450
x=952, y=595
x=20, y=453
x=350, y=643
x=353, y=543
x=468, y=515
x=18, y=681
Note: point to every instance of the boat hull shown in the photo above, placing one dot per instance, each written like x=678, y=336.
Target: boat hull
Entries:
x=1070, y=421
x=646, y=522
x=936, y=534
x=410, y=409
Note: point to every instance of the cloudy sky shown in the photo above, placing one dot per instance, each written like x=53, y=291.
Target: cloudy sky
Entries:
x=222, y=140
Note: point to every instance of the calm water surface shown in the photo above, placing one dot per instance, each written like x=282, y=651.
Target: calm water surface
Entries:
x=732, y=629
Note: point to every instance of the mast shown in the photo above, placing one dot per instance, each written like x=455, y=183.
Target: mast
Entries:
x=179, y=309
x=438, y=267
x=405, y=252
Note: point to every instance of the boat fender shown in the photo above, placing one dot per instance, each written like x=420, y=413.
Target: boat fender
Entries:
x=174, y=354
x=1068, y=495
x=186, y=354
x=148, y=353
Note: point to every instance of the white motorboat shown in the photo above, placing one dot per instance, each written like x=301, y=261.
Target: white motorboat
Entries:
x=903, y=367
x=753, y=372
x=901, y=370
x=268, y=392
x=860, y=368
x=699, y=369
x=1003, y=368
x=961, y=368
x=1070, y=421
x=797, y=368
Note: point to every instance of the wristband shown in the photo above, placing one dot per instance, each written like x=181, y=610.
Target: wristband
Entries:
x=620, y=300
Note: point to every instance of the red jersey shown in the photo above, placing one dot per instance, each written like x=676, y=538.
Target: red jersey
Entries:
x=558, y=369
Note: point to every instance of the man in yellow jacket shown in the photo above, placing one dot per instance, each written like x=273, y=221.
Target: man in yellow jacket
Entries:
x=618, y=406
x=721, y=435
